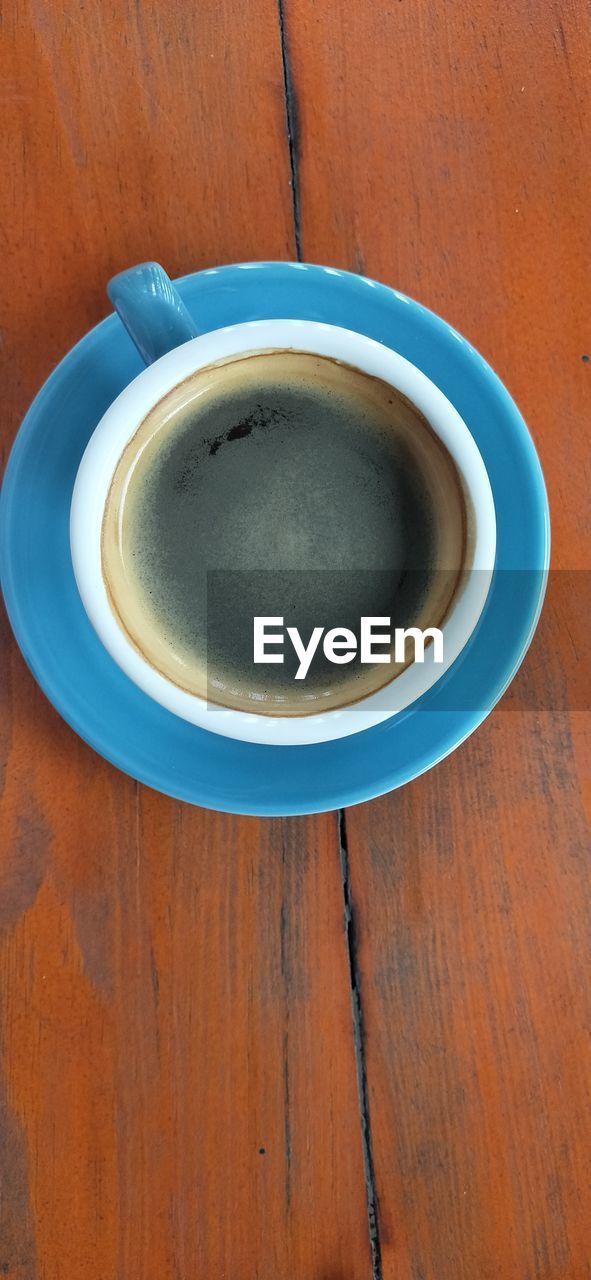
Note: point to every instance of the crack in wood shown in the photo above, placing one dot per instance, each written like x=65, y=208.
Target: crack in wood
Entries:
x=286, y=979
x=291, y=123
x=291, y=120
x=358, y=1037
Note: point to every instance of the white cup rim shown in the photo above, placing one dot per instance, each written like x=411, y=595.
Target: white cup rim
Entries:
x=122, y=419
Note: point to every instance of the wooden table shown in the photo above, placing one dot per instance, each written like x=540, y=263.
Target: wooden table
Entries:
x=306, y=1048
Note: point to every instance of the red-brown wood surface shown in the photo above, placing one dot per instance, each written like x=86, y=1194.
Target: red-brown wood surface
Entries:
x=177, y=1072
x=178, y=1089
x=444, y=149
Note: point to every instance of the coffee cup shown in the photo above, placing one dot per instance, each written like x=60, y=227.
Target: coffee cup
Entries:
x=267, y=474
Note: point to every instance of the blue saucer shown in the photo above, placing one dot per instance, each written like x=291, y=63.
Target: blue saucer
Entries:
x=143, y=739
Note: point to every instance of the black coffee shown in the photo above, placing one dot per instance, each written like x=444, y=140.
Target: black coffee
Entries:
x=282, y=484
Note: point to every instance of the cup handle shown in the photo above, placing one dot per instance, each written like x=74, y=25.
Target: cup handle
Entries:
x=151, y=310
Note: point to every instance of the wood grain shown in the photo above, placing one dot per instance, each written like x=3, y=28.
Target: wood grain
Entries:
x=177, y=1051
x=443, y=148
x=131, y=131
x=472, y=900
x=177, y=1075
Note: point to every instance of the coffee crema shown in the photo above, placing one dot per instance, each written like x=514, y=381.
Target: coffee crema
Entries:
x=279, y=483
